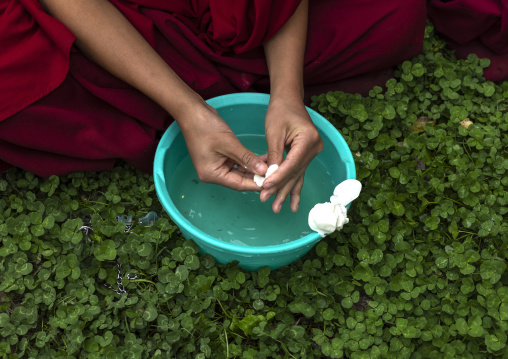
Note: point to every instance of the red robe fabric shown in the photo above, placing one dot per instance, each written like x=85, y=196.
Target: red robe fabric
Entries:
x=60, y=112
x=473, y=26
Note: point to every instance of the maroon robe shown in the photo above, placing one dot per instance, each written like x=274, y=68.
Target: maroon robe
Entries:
x=60, y=112
x=475, y=26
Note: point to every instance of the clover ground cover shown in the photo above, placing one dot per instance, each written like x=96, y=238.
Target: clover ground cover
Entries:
x=419, y=272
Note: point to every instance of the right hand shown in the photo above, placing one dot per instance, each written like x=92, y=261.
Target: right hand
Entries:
x=215, y=150
x=288, y=125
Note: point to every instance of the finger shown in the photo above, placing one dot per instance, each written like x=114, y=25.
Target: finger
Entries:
x=247, y=159
x=297, y=156
x=295, y=195
x=275, y=154
x=267, y=193
x=241, y=172
x=284, y=174
x=281, y=196
x=238, y=181
x=231, y=176
x=279, y=200
x=237, y=168
x=297, y=159
x=261, y=157
x=273, y=188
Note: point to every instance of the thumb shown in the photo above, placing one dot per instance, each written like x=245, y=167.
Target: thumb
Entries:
x=245, y=158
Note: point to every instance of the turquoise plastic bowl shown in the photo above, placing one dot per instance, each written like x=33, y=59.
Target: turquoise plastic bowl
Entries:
x=171, y=150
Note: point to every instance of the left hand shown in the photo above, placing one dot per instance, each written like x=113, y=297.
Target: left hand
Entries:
x=288, y=125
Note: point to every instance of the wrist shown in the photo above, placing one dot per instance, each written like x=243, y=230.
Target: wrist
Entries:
x=183, y=107
x=286, y=98
x=195, y=116
x=289, y=90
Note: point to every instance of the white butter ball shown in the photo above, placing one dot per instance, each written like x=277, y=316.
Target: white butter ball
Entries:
x=261, y=179
x=327, y=217
x=346, y=192
x=322, y=218
x=342, y=219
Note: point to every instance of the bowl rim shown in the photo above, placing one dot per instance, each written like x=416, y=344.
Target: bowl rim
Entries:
x=197, y=234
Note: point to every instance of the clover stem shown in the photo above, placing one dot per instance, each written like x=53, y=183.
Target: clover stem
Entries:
x=226, y=313
x=227, y=343
x=462, y=204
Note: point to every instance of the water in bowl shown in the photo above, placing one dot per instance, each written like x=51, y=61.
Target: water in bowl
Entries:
x=240, y=217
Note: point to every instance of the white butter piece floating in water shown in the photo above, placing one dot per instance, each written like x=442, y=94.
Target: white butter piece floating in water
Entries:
x=260, y=179
x=328, y=217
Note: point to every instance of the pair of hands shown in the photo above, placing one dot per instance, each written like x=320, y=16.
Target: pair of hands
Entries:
x=215, y=150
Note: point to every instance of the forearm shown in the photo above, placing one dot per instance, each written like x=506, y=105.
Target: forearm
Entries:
x=285, y=55
x=108, y=38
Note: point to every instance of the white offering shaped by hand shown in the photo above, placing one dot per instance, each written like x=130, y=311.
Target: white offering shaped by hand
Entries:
x=261, y=179
x=328, y=217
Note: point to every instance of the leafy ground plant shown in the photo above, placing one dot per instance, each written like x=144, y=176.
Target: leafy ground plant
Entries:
x=419, y=272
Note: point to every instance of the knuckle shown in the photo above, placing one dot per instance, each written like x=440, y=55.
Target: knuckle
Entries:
x=316, y=141
x=314, y=135
x=237, y=186
x=204, y=176
x=320, y=145
x=247, y=158
x=274, y=155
